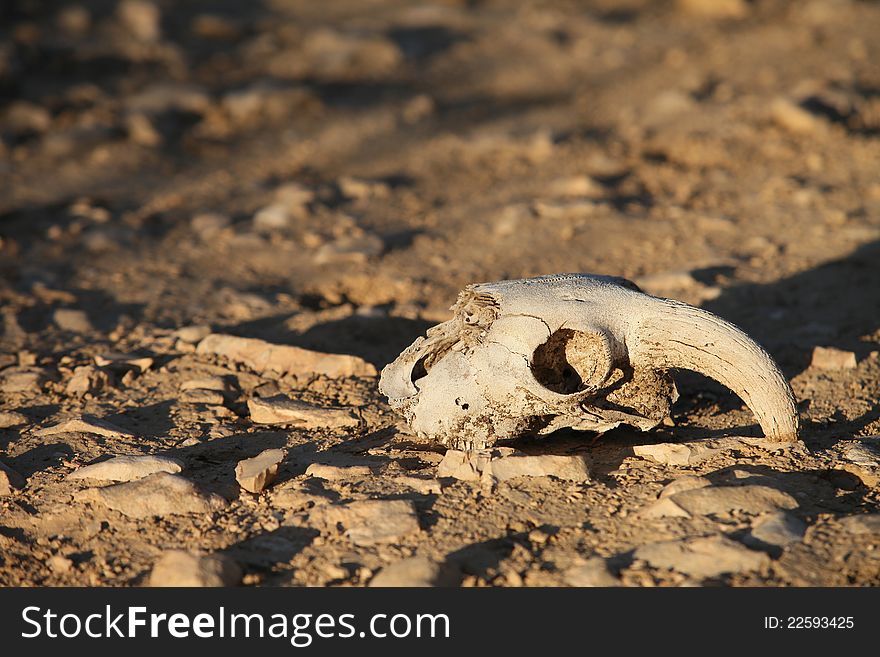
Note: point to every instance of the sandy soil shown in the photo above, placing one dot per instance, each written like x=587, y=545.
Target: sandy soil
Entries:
x=329, y=175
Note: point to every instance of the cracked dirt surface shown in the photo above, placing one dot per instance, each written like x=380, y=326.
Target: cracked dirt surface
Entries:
x=329, y=175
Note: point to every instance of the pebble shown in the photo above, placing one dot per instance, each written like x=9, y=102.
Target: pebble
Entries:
x=59, y=564
x=207, y=226
x=474, y=466
x=69, y=319
x=22, y=379
x=265, y=357
x=215, y=383
x=715, y=9
x=778, y=529
x=158, y=494
x=86, y=424
x=370, y=522
x=127, y=468
x=194, y=569
x=575, y=186
x=413, y=572
x=10, y=480
x=592, y=573
x=338, y=473
x=272, y=217
x=866, y=523
x=425, y=486
x=706, y=556
x=257, y=473
x=829, y=358
x=794, y=118
x=86, y=379
x=124, y=362
x=722, y=499
x=193, y=334
x=141, y=19
x=11, y=419
x=283, y=410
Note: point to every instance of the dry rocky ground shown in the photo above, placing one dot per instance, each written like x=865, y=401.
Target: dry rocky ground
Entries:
x=325, y=176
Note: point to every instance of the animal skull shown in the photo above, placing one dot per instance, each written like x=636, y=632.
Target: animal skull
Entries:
x=572, y=350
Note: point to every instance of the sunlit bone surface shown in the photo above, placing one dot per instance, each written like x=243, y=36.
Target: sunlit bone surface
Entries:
x=572, y=350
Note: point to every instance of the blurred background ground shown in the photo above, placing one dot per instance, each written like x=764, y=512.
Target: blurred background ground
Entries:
x=329, y=175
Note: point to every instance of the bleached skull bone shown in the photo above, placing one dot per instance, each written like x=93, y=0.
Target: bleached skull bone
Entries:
x=573, y=350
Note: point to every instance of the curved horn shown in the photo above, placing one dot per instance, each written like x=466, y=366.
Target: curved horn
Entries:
x=676, y=335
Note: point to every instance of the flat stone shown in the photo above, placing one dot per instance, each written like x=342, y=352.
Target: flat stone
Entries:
x=865, y=523
x=707, y=556
x=592, y=573
x=830, y=358
x=10, y=480
x=158, y=494
x=194, y=569
x=370, y=522
x=338, y=473
x=69, y=319
x=282, y=410
x=297, y=497
x=567, y=468
x=86, y=424
x=682, y=484
x=215, y=383
x=866, y=453
x=675, y=453
x=127, y=468
x=722, y=499
x=12, y=419
x=414, y=572
x=794, y=118
x=193, y=334
x=202, y=396
x=22, y=379
x=265, y=357
x=123, y=362
x=474, y=466
x=86, y=379
x=425, y=486
x=255, y=474
x=663, y=508
x=779, y=529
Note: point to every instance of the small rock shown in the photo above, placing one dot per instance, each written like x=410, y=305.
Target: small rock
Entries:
x=86, y=424
x=592, y=573
x=338, y=473
x=866, y=453
x=779, y=529
x=358, y=189
x=257, y=473
x=22, y=379
x=202, y=396
x=567, y=468
x=208, y=225
x=10, y=480
x=86, y=379
x=22, y=117
x=707, y=556
x=59, y=564
x=194, y=569
x=124, y=362
x=829, y=358
x=577, y=186
x=193, y=334
x=663, y=508
x=158, y=494
x=413, y=572
x=11, y=419
x=272, y=217
x=69, y=319
x=295, y=496
x=682, y=484
x=127, y=468
x=141, y=131
x=370, y=522
x=265, y=357
x=675, y=453
x=473, y=466
x=215, y=383
x=866, y=523
x=283, y=410
x=722, y=499
x=141, y=19
x=795, y=118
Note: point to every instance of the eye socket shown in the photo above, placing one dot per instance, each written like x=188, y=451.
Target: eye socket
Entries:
x=571, y=361
x=419, y=371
